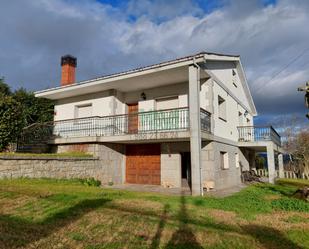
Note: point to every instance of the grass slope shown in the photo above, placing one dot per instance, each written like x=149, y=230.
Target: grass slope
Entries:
x=65, y=214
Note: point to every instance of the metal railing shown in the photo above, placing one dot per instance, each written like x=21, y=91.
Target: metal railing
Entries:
x=258, y=133
x=142, y=122
x=138, y=123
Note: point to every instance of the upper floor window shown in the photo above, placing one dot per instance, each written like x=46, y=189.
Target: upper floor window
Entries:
x=167, y=103
x=83, y=111
x=234, y=78
x=240, y=118
x=222, y=108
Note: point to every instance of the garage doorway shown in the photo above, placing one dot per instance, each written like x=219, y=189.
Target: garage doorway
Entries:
x=143, y=164
x=186, y=170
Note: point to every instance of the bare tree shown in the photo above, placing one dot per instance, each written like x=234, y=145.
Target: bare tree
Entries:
x=301, y=152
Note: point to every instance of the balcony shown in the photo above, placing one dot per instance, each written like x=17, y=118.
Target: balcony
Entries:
x=137, y=126
x=143, y=122
x=258, y=133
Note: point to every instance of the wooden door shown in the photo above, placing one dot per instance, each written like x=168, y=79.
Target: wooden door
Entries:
x=133, y=118
x=143, y=164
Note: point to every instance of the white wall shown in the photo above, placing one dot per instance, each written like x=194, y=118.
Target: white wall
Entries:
x=223, y=70
x=114, y=102
x=180, y=90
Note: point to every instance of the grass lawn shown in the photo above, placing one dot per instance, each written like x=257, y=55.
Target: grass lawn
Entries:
x=65, y=214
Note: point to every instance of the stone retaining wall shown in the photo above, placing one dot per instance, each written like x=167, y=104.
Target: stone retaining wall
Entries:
x=16, y=167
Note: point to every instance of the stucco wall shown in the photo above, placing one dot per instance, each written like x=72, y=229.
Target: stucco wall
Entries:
x=223, y=71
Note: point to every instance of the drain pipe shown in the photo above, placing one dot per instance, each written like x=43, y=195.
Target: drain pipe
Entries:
x=200, y=147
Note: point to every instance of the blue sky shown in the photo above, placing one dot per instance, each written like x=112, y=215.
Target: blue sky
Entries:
x=108, y=36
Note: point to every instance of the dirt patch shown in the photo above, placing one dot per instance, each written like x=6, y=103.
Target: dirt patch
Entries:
x=222, y=216
x=279, y=221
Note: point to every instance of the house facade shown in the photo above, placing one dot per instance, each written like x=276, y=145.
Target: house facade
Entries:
x=185, y=122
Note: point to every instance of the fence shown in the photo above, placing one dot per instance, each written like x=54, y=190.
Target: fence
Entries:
x=287, y=174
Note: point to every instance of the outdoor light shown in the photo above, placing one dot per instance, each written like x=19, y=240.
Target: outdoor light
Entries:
x=143, y=96
x=246, y=113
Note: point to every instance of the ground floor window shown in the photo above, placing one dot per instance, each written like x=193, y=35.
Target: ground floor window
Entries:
x=237, y=160
x=224, y=160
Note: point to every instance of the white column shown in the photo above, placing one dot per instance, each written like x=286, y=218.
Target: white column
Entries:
x=195, y=129
x=280, y=162
x=271, y=163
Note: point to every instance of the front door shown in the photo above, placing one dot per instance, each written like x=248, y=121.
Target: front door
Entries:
x=133, y=118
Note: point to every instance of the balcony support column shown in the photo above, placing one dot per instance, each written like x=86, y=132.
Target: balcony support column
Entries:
x=280, y=162
x=271, y=163
x=195, y=129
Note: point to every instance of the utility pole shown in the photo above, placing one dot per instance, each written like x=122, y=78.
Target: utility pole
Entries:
x=306, y=90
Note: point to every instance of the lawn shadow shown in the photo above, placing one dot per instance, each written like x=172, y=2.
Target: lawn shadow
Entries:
x=184, y=236
x=157, y=237
x=280, y=189
x=269, y=237
x=17, y=232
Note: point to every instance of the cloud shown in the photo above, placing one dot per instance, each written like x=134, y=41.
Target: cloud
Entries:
x=105, y=39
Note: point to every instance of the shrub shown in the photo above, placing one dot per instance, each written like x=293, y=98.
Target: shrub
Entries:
x=90, y=182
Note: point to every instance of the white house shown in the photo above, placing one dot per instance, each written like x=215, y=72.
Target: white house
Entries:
x=187, y=121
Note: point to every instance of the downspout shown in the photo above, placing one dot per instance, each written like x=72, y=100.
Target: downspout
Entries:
x=200, y=164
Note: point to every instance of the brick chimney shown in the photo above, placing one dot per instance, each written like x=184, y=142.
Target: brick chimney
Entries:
x=68, y=65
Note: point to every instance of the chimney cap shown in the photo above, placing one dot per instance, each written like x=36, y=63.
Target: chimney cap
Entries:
x=68, y=59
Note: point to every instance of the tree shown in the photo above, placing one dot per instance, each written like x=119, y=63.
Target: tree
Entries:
x=18, y=110
x=37, y=110
x=4, y=88
x=301, y=152
x=12, y=120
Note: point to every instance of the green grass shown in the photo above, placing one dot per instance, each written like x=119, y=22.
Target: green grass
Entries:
x=53, y=155
x=300, y=183
x=46, y=213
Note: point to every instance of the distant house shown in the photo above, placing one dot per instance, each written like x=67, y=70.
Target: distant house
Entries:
x=187, y=121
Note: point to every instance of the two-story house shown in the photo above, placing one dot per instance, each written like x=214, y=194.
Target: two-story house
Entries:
x=184, y=121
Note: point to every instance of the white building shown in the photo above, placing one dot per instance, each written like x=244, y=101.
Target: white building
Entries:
x=189, y=120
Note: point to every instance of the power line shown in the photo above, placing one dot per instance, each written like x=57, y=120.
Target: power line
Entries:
x=290, y=63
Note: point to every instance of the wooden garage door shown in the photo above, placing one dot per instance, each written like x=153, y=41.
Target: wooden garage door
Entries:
x=143, y=164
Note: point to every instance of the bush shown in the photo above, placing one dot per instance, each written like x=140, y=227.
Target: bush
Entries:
x=90, y=182
x=12, y=120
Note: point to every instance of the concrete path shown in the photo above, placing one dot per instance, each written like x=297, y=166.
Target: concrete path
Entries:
x=225, y=192
x=151, y=189
x=174, y=191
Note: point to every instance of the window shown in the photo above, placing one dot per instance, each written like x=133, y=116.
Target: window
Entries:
x=167, y=103
x=224, y=160
x=222, y=108
x=237, y=160
x=234, y=78
x=83, y=111
x=240, y=118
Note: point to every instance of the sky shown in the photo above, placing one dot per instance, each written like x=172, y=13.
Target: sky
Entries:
x=108, y=36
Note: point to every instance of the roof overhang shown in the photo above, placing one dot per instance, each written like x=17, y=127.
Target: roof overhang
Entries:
x=148, y=77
